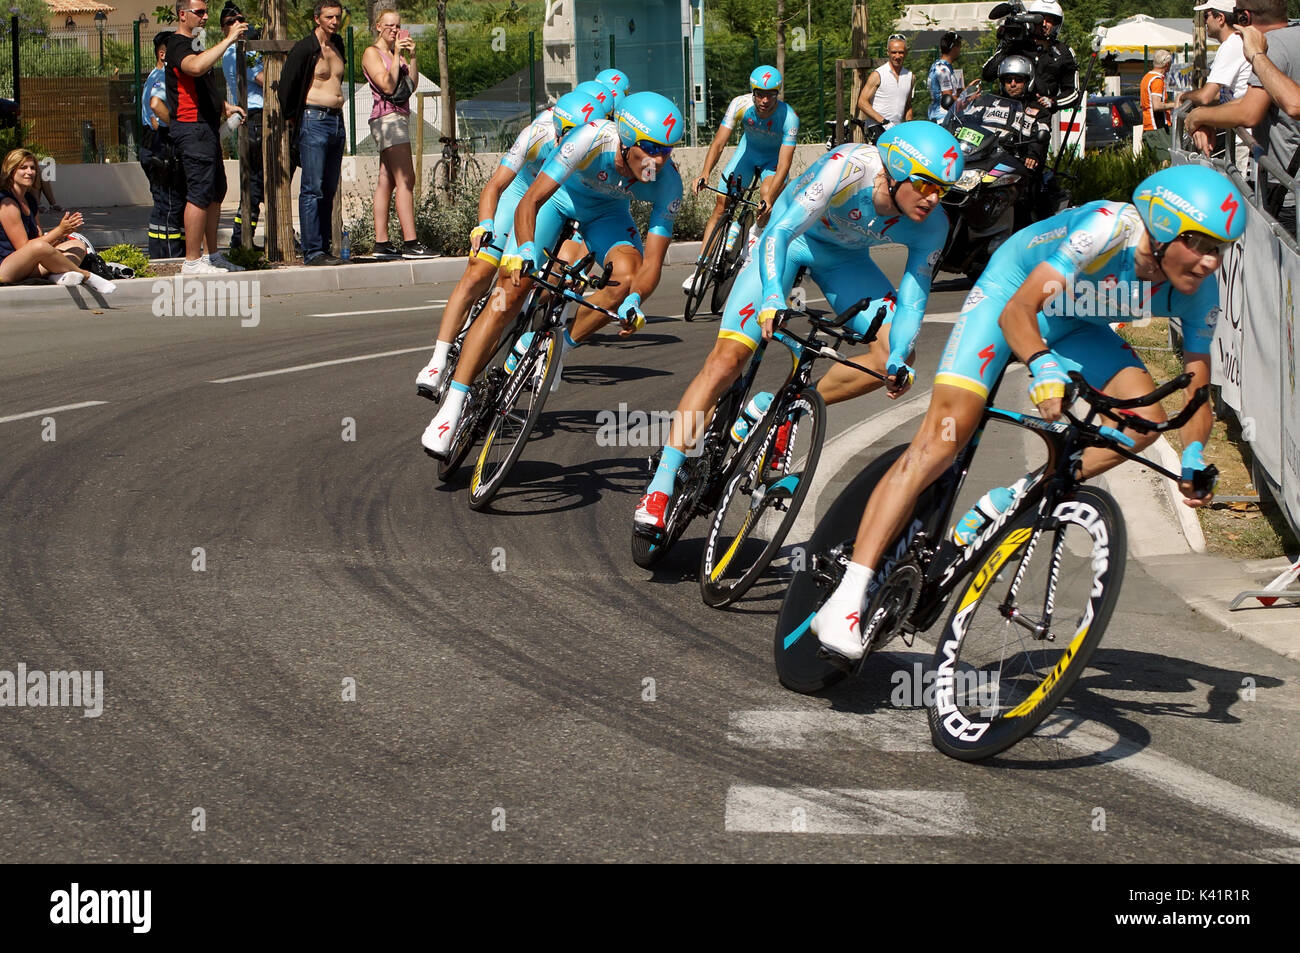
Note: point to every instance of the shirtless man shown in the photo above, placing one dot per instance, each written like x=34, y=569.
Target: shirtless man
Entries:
x=312, y=95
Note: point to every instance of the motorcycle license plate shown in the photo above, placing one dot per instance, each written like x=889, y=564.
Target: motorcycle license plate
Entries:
x=973, y=136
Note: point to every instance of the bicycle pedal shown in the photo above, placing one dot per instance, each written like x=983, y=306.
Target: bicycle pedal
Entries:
x=842, y=662
x=425, y=392
x=652, y=533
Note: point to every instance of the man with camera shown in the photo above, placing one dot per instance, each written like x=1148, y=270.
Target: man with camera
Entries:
x=1031, y=31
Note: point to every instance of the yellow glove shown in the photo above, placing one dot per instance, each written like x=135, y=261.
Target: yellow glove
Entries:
x=766, y=315
x=511, y=265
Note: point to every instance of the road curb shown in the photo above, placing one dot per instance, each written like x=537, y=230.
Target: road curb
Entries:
x=361, y=276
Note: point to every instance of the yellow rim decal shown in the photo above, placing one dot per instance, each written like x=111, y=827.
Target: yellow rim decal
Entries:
x=1052, y=678
x=988, y=572
x=731, y=550
x=477, y=479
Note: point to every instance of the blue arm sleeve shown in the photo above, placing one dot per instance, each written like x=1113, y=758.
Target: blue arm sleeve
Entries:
x=924, y=247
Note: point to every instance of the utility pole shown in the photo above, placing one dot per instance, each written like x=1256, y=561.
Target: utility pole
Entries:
x=780, y=37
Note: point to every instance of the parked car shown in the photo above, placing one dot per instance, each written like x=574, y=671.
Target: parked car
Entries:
x=1111, y=120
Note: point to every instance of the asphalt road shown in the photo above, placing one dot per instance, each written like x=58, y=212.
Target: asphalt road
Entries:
x=501, y=661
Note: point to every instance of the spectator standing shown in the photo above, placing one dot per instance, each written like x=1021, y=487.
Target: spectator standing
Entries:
x=1110, y=72
x=942, y=79
x=391, y=70
x=886, y=96
x=311, y=97
x=1274, y=129
x=159, y=160
x=1151, y=93
x=253, y=73
x=26, y=251
x=1230, y=74
x=196, y=111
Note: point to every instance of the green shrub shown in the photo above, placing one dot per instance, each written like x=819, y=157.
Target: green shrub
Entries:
x=252, y=259
x=130, y=256
x=1111, y=175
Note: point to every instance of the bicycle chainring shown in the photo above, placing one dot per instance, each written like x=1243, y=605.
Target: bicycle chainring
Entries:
x=892, y=603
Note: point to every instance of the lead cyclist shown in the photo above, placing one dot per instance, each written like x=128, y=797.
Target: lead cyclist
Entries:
x=1039, y=300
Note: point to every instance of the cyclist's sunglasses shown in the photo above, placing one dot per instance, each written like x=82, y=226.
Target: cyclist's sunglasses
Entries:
x=927, y=187
x=653, y=148
x=1202, y=243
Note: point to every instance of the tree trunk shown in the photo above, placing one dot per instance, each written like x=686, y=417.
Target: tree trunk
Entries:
x=780, y=37
x=444, y=75
x=858, y=39
x=275, y=146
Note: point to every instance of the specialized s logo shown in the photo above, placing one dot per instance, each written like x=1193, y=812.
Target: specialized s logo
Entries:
x=669, y=123
x=950, y=158
x=988, y=354
x=746, y=313
x=889, y=223
x=587, y=111
x=1230, y=206
x=767, y=76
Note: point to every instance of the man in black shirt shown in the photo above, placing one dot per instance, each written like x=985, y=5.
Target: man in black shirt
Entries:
x=196, y=111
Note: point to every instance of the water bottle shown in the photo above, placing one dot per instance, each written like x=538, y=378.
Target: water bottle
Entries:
x=520, y=348
x=733, y=232
x=346, y=251
x=990, y=506
x=752, y=414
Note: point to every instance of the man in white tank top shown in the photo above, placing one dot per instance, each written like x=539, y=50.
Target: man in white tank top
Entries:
x=887, y=95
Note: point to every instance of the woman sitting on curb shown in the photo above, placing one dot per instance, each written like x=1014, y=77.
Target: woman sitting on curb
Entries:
x=26, y=252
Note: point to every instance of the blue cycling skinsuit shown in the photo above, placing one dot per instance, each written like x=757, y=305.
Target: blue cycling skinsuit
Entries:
x=598, y=197
x=827, y=220
x=1094, y=249
x=761, y=139
x=529, y=152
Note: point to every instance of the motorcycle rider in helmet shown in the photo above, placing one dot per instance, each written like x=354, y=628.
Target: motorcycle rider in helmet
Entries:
x=1055, y=83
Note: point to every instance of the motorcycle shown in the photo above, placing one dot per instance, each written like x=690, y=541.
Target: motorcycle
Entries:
x=981, y=207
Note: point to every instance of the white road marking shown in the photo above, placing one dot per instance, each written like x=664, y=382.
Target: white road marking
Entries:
x=847, y=811
x=53, y=410
x=310, y=367
x=1175, y=778
x=818, y=730
x=348, y=314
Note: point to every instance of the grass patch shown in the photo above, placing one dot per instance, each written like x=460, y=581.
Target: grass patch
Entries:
x=1238, y=530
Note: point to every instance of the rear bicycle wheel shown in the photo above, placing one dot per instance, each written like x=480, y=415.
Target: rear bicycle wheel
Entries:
x=705, y=270
x=761, y=499
x=1005, y=660
x=513, y=418
x=795, y=648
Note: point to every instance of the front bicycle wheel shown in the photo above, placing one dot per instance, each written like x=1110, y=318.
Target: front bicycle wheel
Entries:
x=513, y=418
x=762, y=496
x=1026, y=624
x=730, y=263
x=705, y=269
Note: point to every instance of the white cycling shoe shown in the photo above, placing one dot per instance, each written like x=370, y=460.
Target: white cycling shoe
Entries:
x=427, y=381
x=838, y=624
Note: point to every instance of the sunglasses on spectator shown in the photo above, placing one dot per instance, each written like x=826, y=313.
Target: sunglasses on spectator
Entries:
x=927, y=187
x=653, y=148
x=197, y=13
x=897, y=36
x=1202, y=244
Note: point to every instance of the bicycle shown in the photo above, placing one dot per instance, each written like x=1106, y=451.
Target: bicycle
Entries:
x=753, y=473
x=460, y=170
x=719, y=264
x=994, y=683
x=504, y=406
x=843, y=135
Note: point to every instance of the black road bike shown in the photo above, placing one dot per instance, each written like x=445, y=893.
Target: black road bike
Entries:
x=1036, y=587
x=716, y=270
x=754, y=488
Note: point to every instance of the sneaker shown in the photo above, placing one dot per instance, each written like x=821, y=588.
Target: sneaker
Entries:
x=427, y=382
x=385, y=251
x=222, y=263
x=199, y=266
x=416, y=250
x=650, y=512
x=325, y=259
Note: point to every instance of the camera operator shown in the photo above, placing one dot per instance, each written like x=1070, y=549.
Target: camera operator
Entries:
x=1031, y=31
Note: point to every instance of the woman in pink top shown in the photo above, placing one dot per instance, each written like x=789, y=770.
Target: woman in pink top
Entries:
x=386, y=65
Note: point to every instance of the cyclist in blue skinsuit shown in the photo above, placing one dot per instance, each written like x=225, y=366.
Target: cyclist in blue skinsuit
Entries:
x=592, y=177
x=843, y=204
x=769, y=130
x=1047, y=297
x=496, y=209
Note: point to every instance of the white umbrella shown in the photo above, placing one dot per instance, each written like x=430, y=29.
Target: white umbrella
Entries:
x=1141, y=32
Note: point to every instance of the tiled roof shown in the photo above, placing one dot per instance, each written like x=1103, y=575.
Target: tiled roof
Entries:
x=78, y=6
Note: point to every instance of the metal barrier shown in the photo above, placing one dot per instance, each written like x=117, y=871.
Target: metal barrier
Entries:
x=1254, y=360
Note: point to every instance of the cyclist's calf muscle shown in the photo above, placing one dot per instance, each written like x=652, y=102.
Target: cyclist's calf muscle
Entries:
x=473, y=283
